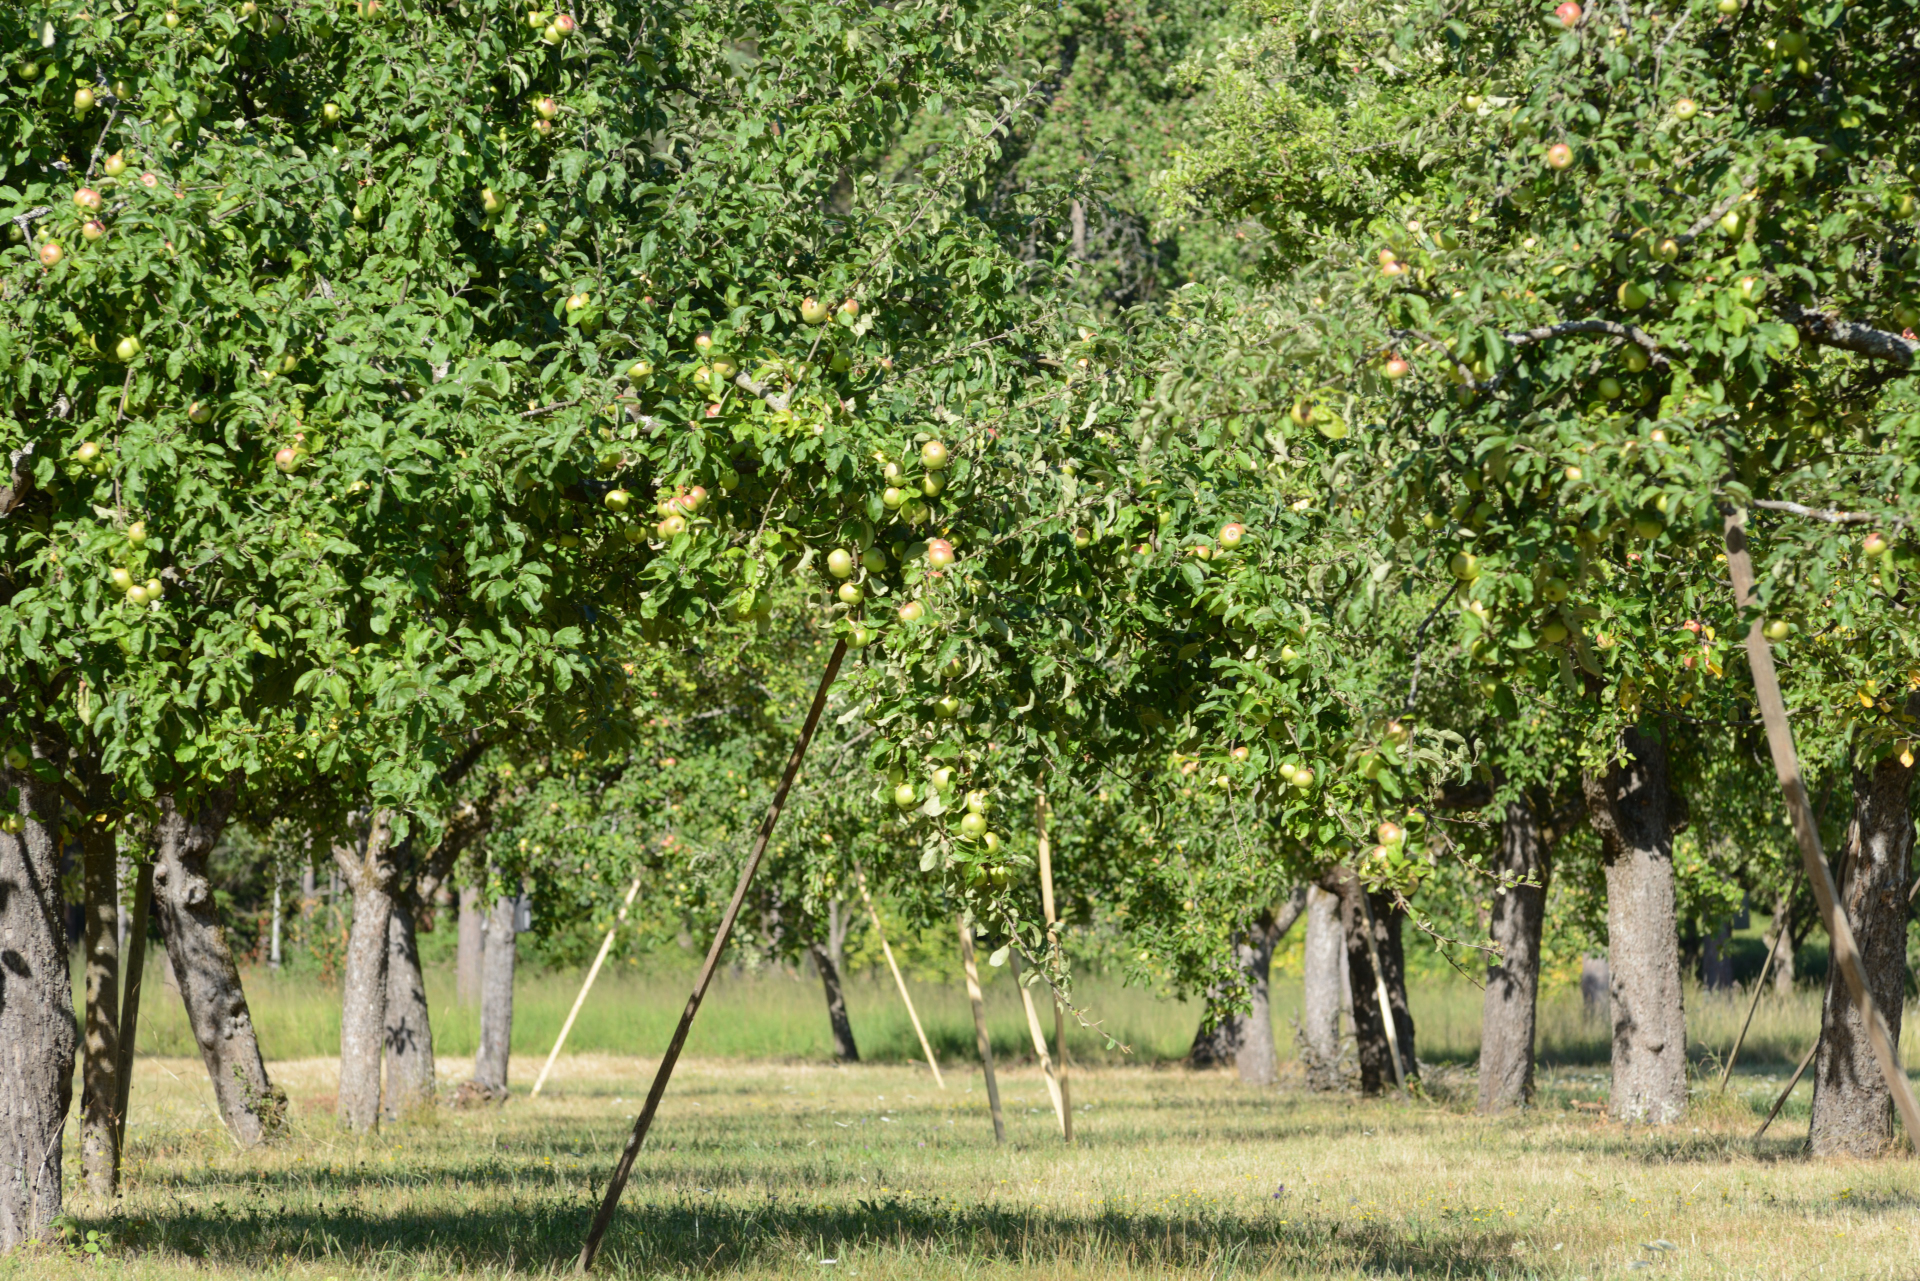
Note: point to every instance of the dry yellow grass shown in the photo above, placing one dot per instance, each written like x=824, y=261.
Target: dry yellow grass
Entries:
x=796, y=1170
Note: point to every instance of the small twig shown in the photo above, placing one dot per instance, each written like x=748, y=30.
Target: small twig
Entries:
x=1719, y=211
x=538, y=410
x=1593, y=325
x=1413, y=688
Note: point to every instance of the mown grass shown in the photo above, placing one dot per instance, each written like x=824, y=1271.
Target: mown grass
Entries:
x=794, y=1170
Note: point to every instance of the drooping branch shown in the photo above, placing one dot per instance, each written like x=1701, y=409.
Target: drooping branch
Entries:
x=19, y=480
x=1851, y=335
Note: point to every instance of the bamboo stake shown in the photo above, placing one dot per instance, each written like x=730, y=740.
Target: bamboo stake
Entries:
x=980, y=1029
x=860, y=879
x=1041, y=810
x=1380, y=987
x=642, y=1123
x=1759, y=985
x=1788, y=1092
x=593, y=972
x=1786, y=764
x=1040, y=1045
x=130, y=1005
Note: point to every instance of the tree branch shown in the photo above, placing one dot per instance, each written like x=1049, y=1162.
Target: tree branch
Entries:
x=1593, y=325
x=1831, y=515
x=1849, y=335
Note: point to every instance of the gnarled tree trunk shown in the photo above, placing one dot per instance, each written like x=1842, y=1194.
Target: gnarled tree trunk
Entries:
x=1637, y=812
x=1326, y=962
x=408, y=1035
x=1513, y=982
x=496, y=997
x=203, y=966
x=36, y=1011
x=100, y=1077
x=844, y=1048
x=370, y=873
x=1852, y=1108
x=1369, y=1028
x=1246, y=1041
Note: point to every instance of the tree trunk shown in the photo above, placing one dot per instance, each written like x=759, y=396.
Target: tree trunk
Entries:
x=370, y=873
x=1636, y=812
x=1513, y=983
x=1369, y=1029
x=1716, y=967
x=36, y=1013
x=472, y=944
x=1852, y=1108
x=99, y=1087
x=843, y=1047
x=203, y=967
x=1257, y=1062
x=1783, y=955
x=1320, y=1009
x=496, y=997
x=409, y=1036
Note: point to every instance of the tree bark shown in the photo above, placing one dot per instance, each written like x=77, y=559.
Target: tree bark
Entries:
x=1513, y=983
x=203, y=966
x=408, y=1034
x=99, y=1086
x=496, y=997
x=369, y=869
x=1246, y=1041
x=844, y=1048
x=1320, y=1009
x=36, y=1011
x=1257, y=1062
x=1637, y=812
x=1852, y=1107
x=1369, y=1029
x=472, y=944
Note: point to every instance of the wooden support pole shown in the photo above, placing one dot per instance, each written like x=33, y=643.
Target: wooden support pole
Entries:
x=1041, y=813
x=606, y=945
x=1040, y=1044
x=130, y=1005
x=1788, y=1092
x=603, y=1219
x=1786, y=765
x=980, y=1028
x=860, y=879
x=1759, y=985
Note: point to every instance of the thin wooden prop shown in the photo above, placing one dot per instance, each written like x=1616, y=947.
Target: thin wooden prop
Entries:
x=606, y=945
x=1040, y=1045
x=1380, y=987
x=1759, y=985
x=860, y=879
x=1053, y=942
x=980, y=1037
x=1786, y=764
x=1786, y=1093
x=615, y=1186
x=130, y=1008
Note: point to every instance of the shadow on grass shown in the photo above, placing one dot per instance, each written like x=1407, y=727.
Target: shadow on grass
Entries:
x=689, y=1237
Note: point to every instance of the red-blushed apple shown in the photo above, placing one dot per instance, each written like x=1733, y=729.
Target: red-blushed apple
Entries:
x=1568, y=12
x=51, y=253
x=814, y=312
x=93, y=229
x=850, y=309
x=933, y=455
x=1231, y=533
x=912, y=612
x=1559, y=156
x=939, y=553
x=1396, y=367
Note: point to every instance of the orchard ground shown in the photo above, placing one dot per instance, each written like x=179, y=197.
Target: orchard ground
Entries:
x=784, y=1166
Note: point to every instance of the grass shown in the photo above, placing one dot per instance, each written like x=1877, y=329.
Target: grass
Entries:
x=761, y=1170
x=773, y=1016
x=768, y=1162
